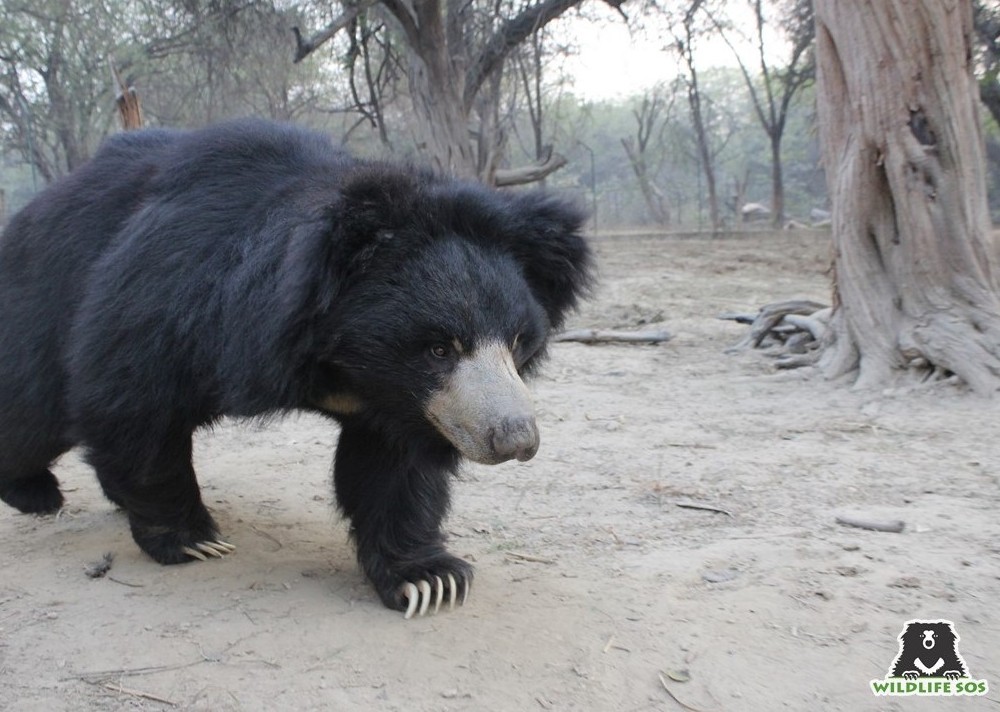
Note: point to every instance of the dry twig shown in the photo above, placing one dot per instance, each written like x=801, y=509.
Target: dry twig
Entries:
x=528, y=557
x=138, y=693
x=686, y=504
x=674, y=697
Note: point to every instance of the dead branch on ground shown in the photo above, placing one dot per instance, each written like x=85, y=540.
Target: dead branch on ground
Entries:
x=602, y=336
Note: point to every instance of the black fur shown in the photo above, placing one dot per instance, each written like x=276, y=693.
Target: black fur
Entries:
x=250, y=269
x=943, y=646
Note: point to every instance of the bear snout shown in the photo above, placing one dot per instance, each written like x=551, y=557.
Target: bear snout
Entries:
x=515, y=438
x=484, y=409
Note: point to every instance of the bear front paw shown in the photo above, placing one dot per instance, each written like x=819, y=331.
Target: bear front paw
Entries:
x=911, y=675
x=418, y=595
x=952, y=675
x=419, y=586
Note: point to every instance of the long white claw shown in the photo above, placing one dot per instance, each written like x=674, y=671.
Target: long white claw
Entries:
x=452, y=592
x=194, y=552
x=413, y=598
x=465, y=591
x=438, y=593
x=224, y=545
x=425, y=596
x=207, y=548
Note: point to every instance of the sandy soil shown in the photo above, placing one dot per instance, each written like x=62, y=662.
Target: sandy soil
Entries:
x=592, y=581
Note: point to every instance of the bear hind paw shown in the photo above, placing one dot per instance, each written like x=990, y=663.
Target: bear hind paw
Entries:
x=180, y=544
x=37, y=494
x=418, y=595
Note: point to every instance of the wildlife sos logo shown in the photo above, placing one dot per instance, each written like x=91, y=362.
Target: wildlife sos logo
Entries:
x=928, y=664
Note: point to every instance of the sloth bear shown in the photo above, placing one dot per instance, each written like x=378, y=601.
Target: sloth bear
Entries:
x=928, y=649
x=252, y=269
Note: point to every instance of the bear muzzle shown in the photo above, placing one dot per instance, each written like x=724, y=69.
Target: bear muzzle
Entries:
x=484, y=409
x=515, y=438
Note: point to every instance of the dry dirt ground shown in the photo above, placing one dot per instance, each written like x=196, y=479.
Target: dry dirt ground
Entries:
x=592, y=581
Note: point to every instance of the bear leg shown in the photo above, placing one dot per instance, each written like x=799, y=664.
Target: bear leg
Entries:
x=155, y=484
x=396, y=501
x=34, y=493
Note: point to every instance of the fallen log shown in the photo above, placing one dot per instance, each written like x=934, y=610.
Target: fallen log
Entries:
x=607, y=336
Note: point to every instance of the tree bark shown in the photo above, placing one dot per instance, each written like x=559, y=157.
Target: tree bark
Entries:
x=916, y=267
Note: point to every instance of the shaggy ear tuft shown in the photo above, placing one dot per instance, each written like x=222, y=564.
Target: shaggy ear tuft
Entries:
x=379, y=197
x=545, y=239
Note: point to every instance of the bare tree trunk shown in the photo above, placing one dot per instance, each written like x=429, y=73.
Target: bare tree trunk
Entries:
x=656, y=201
x=707, y=160
x=778, y=84
x=777, y=182
x=650, y=118
x=685, y=46
x=916, y=265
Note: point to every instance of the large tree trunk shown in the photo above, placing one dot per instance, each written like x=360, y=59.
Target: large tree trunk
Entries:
x=916, y=265
x=441, y=119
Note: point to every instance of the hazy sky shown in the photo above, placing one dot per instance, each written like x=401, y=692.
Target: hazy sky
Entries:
x=613, y=63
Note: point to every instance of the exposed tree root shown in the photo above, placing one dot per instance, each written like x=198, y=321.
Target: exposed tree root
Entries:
x=799, y=333
x=792, y=329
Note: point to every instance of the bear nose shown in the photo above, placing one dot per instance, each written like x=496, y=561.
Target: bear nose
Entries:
x=515, y=437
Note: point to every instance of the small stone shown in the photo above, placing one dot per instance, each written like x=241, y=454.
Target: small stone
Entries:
x=719, y=575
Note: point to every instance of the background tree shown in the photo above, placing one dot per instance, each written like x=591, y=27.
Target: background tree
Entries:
x=773, y=87
x=56, y=88
x=686, y=33
x=193, y=62
x=916, y=263
x=454, y=53
x=645, y=150
x=986, y=20
x=373, y=66
x=539, y=84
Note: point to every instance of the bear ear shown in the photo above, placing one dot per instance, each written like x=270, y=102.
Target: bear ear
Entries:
x=379, y=197
x=545, y=238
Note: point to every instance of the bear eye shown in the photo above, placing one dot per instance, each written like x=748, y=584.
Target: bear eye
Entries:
x=440, y=351
x=524, y=346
